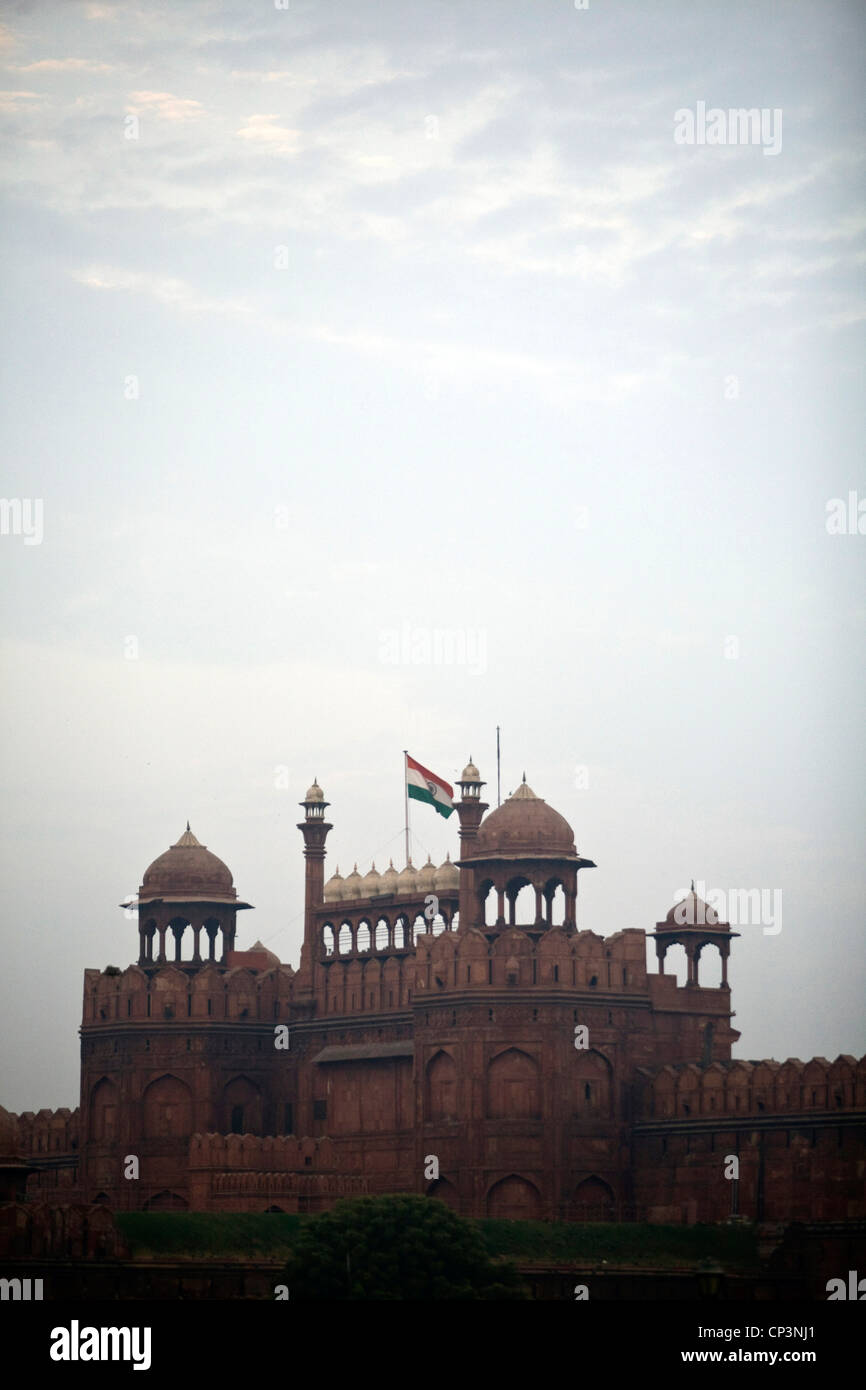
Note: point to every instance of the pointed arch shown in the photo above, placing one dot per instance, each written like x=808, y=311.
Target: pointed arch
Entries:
x=593, y=1200
x=446, y=1192
x=514, y=1199
x=441, y=1098
x=104, y=1101
x=513, y=1086
x=167, y=1105
x=593, y=1089
x=241, y=1107
x=166, y=1201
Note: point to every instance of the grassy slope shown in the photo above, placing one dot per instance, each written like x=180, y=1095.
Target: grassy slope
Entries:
x=269, y=1235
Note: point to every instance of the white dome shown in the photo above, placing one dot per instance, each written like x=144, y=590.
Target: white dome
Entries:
x=352, y=885
x=447, y=877
x=407, y=879
x=390, y=879
x=427, y=877
x=333, y=890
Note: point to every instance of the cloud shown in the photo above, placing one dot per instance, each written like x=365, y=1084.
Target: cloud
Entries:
x=65, y=65
x=165, y=105
x=562, y=380
x=174, y=293
x=261, y=129
x=17, y=101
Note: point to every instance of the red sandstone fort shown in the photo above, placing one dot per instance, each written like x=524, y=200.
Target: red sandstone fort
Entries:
x=425, y=1023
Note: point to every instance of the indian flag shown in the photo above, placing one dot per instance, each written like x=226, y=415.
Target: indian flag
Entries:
x=424, y=785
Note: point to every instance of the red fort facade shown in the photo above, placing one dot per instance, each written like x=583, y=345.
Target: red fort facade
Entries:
x=428, y=1043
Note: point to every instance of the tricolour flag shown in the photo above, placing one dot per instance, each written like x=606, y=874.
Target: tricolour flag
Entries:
x=424, y=785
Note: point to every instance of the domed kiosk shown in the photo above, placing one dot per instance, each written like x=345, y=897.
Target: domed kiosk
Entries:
x=694, y=925
x=522, y=843
x=187, y=886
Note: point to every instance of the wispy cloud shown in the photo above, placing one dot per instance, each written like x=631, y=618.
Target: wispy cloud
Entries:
x=174, y=293
x=65, y=65
x=279, y=139
x=11, y=101
x=165, y=105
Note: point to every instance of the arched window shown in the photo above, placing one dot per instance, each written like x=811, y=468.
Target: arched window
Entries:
x=554, y=902
x=103, y=1111
x=167, y=1109
x=488, y=903
x=441, y=1088
x=676, y=963
x=520, y=897
x=593, y=1201
x=514, y=1199
x=513, y=1087
x=708, y=965
x=242, y=1107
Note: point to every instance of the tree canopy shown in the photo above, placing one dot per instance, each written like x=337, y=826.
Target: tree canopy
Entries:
x=401, y=1247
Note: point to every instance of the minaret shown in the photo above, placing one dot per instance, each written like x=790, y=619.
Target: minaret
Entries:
x=470, y=809
x=314, y=829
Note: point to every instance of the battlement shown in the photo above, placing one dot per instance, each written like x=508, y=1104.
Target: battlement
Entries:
x=48, y=1132
x=171, y=993
x=271, y=1153
x=555, y=959
x=739, y=1088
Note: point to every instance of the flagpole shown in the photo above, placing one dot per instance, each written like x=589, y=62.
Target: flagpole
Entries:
x=406, y=796
x=498, y=796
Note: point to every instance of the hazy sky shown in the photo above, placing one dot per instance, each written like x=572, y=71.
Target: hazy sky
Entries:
x=332, y=328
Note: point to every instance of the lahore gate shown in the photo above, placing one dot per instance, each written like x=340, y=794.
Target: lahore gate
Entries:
x=449, y=1031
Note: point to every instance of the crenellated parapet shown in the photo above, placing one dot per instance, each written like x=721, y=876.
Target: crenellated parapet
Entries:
x=48, y=1132
x=740, y=1088
x=514, y=958
x=272, y=1153
x=172, y=995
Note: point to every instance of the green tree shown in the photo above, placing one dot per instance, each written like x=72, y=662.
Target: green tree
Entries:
x=396, y=1248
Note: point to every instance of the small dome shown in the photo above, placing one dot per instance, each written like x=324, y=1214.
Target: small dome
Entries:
x=389, y=882
x=407, y=879
x=352, y=884
x=272, y=958
x=470, y=773
x=333, y=889
x=447, y=877
x=427, y=877
x=371, y=884
x=692, y=912
x=187, y=870
x=314, y=793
